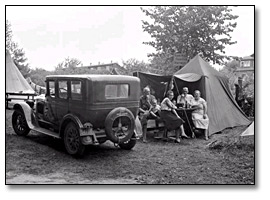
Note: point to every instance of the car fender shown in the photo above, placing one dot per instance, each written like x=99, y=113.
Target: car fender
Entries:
x=73, y=118
x=27, y=110
x=85, y=129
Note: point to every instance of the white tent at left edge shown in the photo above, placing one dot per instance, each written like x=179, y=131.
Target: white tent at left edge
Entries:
x=15, y=82
x=249, y=130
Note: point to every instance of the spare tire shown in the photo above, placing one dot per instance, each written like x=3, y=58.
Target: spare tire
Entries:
x=119, y=125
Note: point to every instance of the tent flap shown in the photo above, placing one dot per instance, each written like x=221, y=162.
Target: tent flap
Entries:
x=189, y=77
x=158, y=84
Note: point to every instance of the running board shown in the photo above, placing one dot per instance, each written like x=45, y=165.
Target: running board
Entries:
x=46, y=132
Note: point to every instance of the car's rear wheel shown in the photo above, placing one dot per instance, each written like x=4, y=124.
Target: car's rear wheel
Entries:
x=72, y=140
x=19, y=123
x=129, y=144
x=119, y=125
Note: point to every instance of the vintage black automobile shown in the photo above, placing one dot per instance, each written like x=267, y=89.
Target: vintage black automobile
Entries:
x=83, y=110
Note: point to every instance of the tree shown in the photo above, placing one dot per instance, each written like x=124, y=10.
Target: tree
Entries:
x=244, y=94
x=163, y=64
x=38, y=76
x=133, y=65
x=8, y=36
x=190, y=30
x=68, y=63
x=17, y=54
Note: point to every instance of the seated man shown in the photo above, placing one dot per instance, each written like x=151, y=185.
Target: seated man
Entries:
x=146, y=101
x=185, y=98
x=199, y=116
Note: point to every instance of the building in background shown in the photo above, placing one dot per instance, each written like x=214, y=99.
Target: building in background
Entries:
x=109, y=66
x=246, y=64
x=245, y=85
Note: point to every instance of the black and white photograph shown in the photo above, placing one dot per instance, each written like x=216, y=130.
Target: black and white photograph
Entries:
x=130, y=95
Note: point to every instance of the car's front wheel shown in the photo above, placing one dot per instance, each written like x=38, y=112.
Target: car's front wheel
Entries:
x=19, y=123
x=72, y=140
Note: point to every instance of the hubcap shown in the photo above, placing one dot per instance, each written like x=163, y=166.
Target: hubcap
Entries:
x=20, y=123
x=73, y=139
x=121, y=128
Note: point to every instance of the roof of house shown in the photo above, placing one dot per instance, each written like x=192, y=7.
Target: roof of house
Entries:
x=248, y=58
x=103, y=65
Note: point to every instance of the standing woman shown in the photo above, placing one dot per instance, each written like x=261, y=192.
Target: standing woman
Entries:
x=199, y=116
x=170, y=116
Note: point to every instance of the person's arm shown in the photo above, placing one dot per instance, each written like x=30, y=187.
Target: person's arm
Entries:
x=140, y=106
x=190, y=100
x=204, y=109
x=173, y=107
x=151, y=112
x=174, y=112
x=141, y=110
x=178, y=99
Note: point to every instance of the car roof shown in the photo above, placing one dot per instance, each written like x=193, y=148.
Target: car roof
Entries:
x=95, y=77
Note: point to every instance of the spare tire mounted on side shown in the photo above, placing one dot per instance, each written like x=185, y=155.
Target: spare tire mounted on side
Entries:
x=119, y=125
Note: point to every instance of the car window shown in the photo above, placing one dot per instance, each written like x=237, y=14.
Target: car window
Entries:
x=52, y=88
x=114, y=91
x=63, y=89
x=76, y=90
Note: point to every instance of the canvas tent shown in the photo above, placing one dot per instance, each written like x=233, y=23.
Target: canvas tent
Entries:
x=15, y=82
x=157, y=83
x=223, y=111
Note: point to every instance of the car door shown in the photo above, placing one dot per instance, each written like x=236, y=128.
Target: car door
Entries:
x=77, y=101
x=50, y=103
x=62, y=94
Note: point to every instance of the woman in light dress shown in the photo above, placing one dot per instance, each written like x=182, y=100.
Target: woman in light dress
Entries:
x=199, y=116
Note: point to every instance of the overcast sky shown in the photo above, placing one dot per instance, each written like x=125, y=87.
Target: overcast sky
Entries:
x=93, y=34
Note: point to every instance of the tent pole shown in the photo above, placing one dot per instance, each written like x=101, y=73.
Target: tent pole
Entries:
x=193, y=135
x=176, y=86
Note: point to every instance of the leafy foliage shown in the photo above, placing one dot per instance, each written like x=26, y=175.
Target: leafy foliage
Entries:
x=190, y=30
x=17, y=54
x=246, y=96
x=163, y=64
x=133, y=65
x=70, y=63
x=38, y=76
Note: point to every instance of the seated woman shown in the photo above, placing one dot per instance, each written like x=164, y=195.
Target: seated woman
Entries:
x=170, y=116
x=199, y=116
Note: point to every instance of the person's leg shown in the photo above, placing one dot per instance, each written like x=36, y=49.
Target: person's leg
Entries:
x=206, y=137
x=144, y=127
x=177, y=135
x=183, y=134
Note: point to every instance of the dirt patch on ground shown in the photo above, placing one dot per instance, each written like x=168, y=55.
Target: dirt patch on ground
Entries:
x=40, y=159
